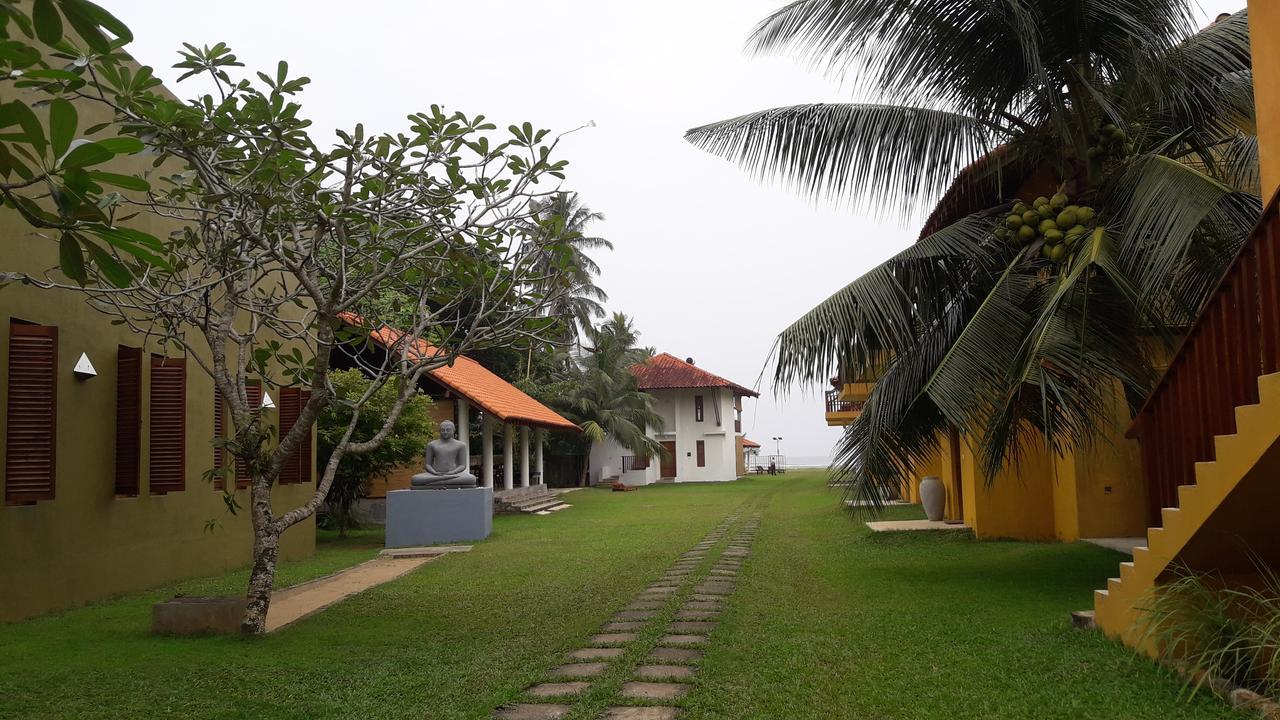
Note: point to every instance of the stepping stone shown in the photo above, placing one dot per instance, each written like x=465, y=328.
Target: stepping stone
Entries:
x=613, y=639
x=613, y=627
x=557, y=689
x=595, y=654
x=644, y=605
x=683, y=640
x=580, y=670
x=653, y=690
x=641, y=713
x=714, y=588
x=665, y=583
x=664, y=672
x=660, y=589
x=627, y=615
x=692, y=626
x=697, y=615
x=724, y=573
x=704, y=598
x=670, y=654
x=529, y=711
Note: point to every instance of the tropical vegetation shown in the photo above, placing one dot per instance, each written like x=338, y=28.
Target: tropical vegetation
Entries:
x=1091, y=169
x=410, y=433
x=579, y=300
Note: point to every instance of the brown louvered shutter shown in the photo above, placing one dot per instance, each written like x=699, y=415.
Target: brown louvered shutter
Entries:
x=307, y=455
x=253, y=393
x=31, y=443
x=289, y=409
x=128, y=419
x=219, y=433
x=702, y=453
x=168, y=423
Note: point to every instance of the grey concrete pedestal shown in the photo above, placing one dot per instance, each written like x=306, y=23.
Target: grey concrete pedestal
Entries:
x=431, y=517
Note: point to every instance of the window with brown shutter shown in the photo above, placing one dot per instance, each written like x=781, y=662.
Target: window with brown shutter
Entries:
x=307, y=457
x=290, y=407
x=253, y=393
x=167, y=452
x=219, y=433
x=702, y=453
x=128, y=420
x=31, y=441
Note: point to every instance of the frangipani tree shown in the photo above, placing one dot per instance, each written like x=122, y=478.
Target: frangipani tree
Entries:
x=285, y=247
x=1119, y=111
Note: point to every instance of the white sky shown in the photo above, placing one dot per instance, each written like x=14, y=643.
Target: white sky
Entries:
x=709, y=262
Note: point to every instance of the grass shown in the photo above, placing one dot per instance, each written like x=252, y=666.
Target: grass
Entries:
x=828, y=621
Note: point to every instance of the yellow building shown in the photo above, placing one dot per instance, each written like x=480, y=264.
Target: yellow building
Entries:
x=103, y=471
x=1210, y=433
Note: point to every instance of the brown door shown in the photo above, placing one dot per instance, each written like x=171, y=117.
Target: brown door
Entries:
x=668, y=459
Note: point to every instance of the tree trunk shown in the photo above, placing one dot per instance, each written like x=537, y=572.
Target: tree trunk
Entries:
x=266, y=552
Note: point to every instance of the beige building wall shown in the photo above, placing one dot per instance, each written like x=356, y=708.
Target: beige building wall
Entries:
x=86, y=544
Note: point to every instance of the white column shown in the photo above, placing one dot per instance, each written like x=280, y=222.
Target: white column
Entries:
x=464, y=425
x=508, y=455
x=524, y=456
x=486, y=447
x=539, y=437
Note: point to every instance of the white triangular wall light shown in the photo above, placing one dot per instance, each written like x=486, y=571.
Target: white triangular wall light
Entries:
x=84, y=368
x=267, y=402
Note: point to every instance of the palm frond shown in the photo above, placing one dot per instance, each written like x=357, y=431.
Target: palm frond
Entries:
x=892, y=158
x=884, y=309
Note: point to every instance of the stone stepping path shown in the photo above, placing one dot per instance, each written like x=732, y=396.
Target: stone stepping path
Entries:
x=688, y=598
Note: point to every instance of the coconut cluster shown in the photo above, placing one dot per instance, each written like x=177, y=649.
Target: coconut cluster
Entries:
x=1055, y=221
x=1111, y=141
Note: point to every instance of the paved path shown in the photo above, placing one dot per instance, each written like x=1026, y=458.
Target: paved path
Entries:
x=295, y=603
x=645, y=657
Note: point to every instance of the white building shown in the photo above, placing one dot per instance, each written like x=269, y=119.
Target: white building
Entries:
x=701, y=433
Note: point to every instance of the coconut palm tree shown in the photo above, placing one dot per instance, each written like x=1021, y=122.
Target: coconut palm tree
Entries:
x=1135, y=130
x=565, y=217
x=603, y=398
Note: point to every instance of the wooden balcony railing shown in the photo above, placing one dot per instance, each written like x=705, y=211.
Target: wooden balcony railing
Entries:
x=1235, y=338
x=633, y=462
x=836, y=405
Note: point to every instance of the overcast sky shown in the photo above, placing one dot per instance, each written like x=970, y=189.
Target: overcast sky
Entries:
x=711, y=263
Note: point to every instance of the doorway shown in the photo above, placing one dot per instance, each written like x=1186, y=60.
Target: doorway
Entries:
x=668, y=465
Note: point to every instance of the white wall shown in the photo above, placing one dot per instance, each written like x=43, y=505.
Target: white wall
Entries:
x=677, y=410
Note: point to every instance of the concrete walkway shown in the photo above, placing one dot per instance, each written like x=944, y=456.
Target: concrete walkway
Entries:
x=912, y=525
x=295, y=603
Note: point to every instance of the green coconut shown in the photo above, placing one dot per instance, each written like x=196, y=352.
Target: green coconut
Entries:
x=1013, y=222
x=1058, y=201
x=1046, y=225
x=1053, y=237
x=1042, y=200
x=1084, y=215
x=1067, y=220
x=1046, y=212
x=1030, y=217
x=1026, y=233
x=1056, y=253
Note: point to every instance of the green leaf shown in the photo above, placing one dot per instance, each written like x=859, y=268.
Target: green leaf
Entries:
x=116, y=273
x=122, y=145
x=128, y=182
x=71, y=258
x=17, y=113
x=89, y=153
x=62, y=125
x=47, y=22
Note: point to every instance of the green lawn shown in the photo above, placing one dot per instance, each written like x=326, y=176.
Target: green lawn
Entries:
x=828, y=622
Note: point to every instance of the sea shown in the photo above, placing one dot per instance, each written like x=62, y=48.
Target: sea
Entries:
x=808, y=461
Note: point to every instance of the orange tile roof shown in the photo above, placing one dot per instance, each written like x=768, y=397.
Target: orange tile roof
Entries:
x=478, y=384
x=749, y=443
x=665, y=371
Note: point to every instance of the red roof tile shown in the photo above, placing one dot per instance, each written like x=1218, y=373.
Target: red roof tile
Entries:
x=479, y=385
x=749, y=443
x=668, y=372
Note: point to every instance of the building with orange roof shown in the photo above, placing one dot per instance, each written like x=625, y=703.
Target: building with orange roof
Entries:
x=463, y=390
x=701, y=432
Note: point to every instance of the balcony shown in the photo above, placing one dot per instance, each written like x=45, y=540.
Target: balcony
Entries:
x=841, y=411
x=856, y=390
x=633, y=462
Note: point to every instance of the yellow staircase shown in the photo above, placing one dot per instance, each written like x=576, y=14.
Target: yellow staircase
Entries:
x=1118, y=608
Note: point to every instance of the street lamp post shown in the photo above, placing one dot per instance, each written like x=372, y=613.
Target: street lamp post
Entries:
x=777, y=445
